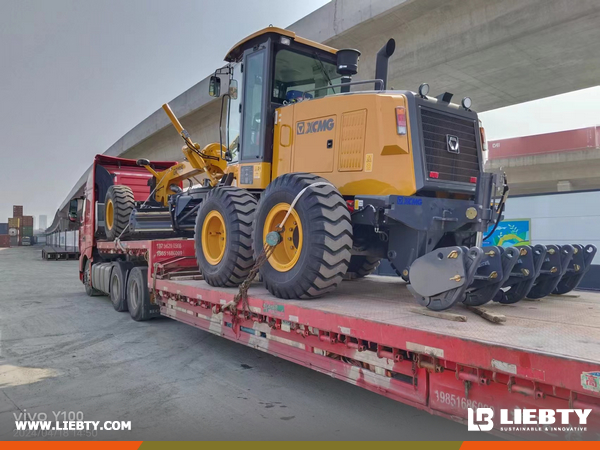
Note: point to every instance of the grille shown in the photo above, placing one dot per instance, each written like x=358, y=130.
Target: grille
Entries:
x=459, y=166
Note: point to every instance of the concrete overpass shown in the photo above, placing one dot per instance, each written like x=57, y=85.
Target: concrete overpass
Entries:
x=498, y=52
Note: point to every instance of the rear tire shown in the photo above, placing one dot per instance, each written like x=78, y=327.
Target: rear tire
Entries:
x=138, y=294
x=118, y=285
x=317, y=238
x=224, y=236
x=360, y=266
x=118, y=205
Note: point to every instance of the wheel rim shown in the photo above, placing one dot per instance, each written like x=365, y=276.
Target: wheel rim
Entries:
x=286, y=254
x=115, y=288
x=133, y=294
x=110, y=214
x=214, y=237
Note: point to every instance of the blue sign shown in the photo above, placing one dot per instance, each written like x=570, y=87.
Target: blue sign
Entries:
x=510, y=233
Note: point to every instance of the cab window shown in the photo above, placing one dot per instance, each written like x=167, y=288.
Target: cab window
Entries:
x=252, y=137
x=296, y=73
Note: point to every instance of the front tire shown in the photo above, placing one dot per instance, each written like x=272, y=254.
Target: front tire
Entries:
x=118, y=205
x=87, y=280
x=224, y=236
x=314, y=254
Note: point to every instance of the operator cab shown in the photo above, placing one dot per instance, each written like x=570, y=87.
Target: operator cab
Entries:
x=269, y=69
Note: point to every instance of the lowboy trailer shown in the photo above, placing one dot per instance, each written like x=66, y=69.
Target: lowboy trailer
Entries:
x=370, y=333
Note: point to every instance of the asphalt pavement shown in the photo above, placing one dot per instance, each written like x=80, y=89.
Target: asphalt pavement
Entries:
x=63, y=354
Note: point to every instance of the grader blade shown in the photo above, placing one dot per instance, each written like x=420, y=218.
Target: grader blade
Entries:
x=492, y=274
x=523, y=274
x=440, y=279
x=578, y=266
x=555, y=265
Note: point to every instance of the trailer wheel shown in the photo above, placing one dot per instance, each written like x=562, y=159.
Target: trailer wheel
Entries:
x=138, y=295
x=224, y=236
x=118, y=205
x=314, y=254
x=87, y=280
x=360, y=266
x=118, y=285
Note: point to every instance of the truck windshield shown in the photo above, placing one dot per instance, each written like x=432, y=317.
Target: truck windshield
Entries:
x=297, y=73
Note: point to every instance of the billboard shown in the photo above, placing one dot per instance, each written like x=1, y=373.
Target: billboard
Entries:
x=510, y=233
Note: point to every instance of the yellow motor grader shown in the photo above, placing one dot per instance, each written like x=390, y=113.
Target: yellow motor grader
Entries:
x=330, y=175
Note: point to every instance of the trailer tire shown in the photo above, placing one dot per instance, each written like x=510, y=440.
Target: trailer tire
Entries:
x=314, y=254
x=87, y=280
x=360, y=266
x=118, y=205
x=118, y=284
x=138, y=294
x=223, y=236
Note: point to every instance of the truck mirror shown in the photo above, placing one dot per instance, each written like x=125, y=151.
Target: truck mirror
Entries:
x=73, y=205
x=214, y=86
x=233, y=89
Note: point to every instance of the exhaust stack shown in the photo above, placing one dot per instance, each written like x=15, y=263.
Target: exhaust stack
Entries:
x=381, y=64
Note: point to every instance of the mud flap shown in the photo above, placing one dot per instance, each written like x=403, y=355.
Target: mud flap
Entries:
x=440, y=279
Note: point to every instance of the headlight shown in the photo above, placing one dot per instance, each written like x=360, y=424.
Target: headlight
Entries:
x=423, y=89
x=467, y=102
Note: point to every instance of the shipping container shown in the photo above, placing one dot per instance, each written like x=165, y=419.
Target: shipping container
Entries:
x=27, y=221
x=27, y=231
x=14, y=241
x=17, y=211
x=3, y=228
x=4, y=240
x=14, y=222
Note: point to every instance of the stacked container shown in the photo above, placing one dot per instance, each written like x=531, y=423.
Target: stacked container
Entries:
x=4, y=237
x=4, y=240
x=17, y=211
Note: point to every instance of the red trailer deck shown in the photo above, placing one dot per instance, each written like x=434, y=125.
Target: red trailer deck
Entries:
x=546, y=354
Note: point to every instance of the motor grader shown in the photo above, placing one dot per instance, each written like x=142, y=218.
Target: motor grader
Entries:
x=326, y=176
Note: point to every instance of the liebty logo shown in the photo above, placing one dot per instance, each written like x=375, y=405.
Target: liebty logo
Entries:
x=316, y=126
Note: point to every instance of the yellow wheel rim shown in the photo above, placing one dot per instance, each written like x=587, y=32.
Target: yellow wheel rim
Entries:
x=110, y=214
x=214, y=237
x=286, y=254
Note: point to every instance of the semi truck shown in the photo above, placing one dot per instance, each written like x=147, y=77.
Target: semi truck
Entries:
x=368, y=332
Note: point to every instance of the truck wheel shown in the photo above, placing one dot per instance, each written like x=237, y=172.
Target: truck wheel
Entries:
x=314, y=254
x=360, y=266
x=118, y=285
x=87, y=280
x=118, y=205
x=224, y=236
x=138, y=295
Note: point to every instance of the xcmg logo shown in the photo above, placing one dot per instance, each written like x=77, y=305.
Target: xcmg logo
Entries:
x=315, y=126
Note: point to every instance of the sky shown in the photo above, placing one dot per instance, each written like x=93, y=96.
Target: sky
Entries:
x=76, y=75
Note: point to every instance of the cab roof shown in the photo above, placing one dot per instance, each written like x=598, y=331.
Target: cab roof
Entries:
x=235, y=51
